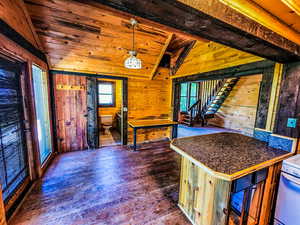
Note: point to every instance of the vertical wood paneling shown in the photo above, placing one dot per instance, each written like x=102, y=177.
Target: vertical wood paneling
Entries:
x=289, y=101
x=203, y=197
x=71, y=113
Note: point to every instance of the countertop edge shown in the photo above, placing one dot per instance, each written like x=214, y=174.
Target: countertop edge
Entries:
x=234, y=176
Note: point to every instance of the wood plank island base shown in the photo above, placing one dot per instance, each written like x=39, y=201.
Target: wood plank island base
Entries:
x=148, y=124
x=226, y=178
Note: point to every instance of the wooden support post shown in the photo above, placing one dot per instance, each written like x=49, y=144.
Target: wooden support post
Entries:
x=154, y=70
x=268, y=202
x=274, y=96
x=2, y=210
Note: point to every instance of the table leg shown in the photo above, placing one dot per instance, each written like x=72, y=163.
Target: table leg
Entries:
x=134, y=139
x=174, y=131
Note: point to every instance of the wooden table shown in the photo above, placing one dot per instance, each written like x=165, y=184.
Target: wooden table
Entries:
x=144, y=124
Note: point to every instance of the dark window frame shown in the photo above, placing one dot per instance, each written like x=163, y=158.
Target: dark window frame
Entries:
x=188, y=94
x=113, y=83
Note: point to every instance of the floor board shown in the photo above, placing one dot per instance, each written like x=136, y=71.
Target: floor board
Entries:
x=107, y=186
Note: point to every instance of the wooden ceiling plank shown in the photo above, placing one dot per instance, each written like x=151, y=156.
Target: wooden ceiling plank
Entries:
x=293, y=5
x=182, y=56
x=163, y=51
x=212, y=20
x=256, y=13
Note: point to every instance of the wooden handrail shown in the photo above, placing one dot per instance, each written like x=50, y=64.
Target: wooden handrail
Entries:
x=196, y=103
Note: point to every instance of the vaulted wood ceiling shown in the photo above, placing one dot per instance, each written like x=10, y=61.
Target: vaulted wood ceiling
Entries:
x=280, y=10
x=85, y=38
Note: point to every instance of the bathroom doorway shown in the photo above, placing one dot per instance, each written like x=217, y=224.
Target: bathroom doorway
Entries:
x=110, y=104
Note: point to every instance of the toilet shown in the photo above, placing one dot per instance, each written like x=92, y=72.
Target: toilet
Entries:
x=106, y=123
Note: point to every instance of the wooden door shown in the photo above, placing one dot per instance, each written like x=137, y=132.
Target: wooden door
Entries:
x=71, y=112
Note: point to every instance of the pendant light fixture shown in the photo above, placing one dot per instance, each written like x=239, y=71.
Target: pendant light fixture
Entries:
x=132, y=62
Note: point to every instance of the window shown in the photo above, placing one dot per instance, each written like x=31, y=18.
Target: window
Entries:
x=106, y=93
x=13, y=152
x=40, y=84
x=188, y=95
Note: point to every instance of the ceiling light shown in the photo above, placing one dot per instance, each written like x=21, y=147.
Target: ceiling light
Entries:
x=132, y=62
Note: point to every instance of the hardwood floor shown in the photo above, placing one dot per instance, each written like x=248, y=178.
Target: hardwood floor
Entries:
x=107, y=186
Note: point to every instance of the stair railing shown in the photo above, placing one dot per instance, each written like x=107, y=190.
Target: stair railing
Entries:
x=213, y=92
x=193, y=110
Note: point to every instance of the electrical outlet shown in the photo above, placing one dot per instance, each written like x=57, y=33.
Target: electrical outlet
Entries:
x=292, y=122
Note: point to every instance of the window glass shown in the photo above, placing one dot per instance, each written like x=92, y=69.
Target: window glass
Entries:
x=106, y=93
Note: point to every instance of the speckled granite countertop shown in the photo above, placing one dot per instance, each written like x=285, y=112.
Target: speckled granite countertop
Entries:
x=228, y=153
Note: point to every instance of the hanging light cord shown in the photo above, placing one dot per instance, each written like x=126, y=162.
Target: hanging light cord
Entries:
x=133, y=25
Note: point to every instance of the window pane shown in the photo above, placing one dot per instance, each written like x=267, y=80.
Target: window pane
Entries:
x=193, y=100
x=183, y=107
x=183, y=90
x=194, y=89
x=105, y=99
x=105, y=88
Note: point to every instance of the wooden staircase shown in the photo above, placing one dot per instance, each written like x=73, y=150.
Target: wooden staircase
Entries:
x=202, y=111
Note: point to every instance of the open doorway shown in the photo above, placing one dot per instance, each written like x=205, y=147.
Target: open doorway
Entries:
x=77, y=110
x=219, y=105
x=109, y=111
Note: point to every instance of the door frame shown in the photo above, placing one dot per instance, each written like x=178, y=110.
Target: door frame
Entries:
x=264, y=67
x=124, y=109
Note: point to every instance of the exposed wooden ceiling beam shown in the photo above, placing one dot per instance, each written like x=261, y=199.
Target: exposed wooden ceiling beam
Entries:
x=181, y=57
x=163, y=50
x=256, y=13
x=293, y=5
x=212, y=20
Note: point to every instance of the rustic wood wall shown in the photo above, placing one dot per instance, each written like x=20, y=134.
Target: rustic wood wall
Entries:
x=71, y=112
x=210, y=56
x=149, y=99
x=289, y=101
x=15, y=14
x=238, y=112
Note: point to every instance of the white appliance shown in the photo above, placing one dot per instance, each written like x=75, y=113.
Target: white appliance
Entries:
x=288, y=200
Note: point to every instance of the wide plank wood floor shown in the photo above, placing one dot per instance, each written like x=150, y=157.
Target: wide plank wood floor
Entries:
x=107, y=186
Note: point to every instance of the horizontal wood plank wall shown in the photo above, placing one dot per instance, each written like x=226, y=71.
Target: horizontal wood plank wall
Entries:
x=289, y=101
x=149, y=99
x=14, y=13
x=117, y=108
x=71, y=113
x=238, y=112
x=210, y=56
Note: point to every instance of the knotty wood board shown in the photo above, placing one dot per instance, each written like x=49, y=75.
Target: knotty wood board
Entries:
x=84, y=37
x=14, y=13
x=203, y=197
x=211, y=56
x=238, y=111
x=70, y=110
x=149, y=100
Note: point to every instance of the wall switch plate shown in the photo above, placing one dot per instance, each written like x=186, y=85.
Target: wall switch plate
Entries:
x=292, y=122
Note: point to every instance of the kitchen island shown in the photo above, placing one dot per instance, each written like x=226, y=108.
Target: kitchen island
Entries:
x=224, y=177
